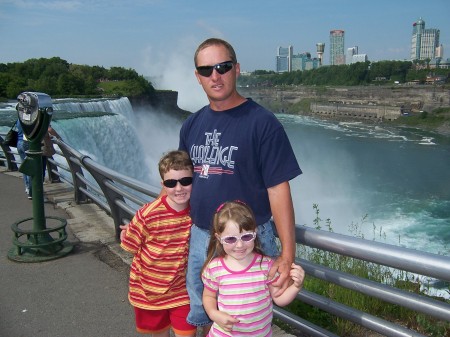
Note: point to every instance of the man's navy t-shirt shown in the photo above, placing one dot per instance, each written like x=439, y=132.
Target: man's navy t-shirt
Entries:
x=237, y=154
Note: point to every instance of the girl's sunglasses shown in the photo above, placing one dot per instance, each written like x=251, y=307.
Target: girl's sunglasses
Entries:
x=221, y=68
x=171, y=183
x=233, y=239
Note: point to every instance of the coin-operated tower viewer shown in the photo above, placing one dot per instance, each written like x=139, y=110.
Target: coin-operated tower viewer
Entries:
x=33, y=241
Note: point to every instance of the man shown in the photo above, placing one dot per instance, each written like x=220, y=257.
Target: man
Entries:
x=239, y=151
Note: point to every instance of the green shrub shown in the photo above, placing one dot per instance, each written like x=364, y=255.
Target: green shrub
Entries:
x=400, y=279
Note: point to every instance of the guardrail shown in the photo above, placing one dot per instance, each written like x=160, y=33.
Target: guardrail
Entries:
x=9, y=156
x=120, y=196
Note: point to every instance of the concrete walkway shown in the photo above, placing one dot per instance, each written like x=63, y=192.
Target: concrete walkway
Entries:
x=81, y=294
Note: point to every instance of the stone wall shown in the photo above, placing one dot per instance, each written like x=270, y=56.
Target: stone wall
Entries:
x=379, y=101
x=373, y=112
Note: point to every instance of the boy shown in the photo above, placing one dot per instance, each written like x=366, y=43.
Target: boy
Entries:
x=158, y=236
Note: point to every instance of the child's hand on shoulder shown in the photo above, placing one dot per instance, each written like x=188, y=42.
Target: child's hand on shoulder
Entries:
x=298, y=275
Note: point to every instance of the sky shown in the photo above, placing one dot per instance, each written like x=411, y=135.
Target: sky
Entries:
x=158, y=38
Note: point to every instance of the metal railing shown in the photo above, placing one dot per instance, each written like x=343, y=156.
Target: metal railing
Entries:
x=8, y=159
x=121, y=196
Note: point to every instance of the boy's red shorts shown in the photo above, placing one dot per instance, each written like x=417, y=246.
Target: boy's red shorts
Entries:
x=155, y=321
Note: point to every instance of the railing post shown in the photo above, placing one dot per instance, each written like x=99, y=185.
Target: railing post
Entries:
x=10, y=160
x=111, y=197
x=76, y=172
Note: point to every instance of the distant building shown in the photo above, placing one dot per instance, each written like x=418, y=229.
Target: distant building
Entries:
x=284, y=59
x=444, y=64
x=304, y=62
x=320, y=49
x=337, y=55
x=440, y=52
x=424, y=42
x=359, y=58
x=350, y=52
x=439, y=63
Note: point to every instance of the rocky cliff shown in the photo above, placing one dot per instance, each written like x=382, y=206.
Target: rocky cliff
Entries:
x=387, y=98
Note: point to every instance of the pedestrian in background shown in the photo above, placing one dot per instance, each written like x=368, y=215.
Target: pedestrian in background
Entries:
x=22, y=147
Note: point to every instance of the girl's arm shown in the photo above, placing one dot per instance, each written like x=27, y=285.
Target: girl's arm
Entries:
x=297, y=277
x=224, y=320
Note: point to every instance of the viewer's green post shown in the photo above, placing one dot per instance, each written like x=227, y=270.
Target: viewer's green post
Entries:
x=33, y=240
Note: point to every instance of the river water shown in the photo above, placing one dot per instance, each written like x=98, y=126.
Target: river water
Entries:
x=387, y=184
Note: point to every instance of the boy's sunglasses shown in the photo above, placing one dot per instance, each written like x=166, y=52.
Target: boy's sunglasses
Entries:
x=171, y=183
x=233, y=239
x=221, y=68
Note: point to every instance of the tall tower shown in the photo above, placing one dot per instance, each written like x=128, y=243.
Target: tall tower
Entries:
x=337, y=55
x=320, y=49
x=424, y=42
x=284, y=59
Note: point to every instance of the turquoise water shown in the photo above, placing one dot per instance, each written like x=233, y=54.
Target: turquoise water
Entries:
x=394, y=184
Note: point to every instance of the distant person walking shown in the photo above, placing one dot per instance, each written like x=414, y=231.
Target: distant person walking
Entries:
x=22, y=147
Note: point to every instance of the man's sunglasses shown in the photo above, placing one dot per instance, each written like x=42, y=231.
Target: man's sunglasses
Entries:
x=171, y=183
x=221, y=68
x=233, y=239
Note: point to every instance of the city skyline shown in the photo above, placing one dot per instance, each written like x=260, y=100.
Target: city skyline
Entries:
x=158, y=38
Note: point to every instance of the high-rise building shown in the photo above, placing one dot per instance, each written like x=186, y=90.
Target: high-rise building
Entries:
x=337, y=55
x=424, y=42
x=284, y=59
x=350, y=52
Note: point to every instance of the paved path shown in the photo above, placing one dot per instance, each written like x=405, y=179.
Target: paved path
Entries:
x=83, y=294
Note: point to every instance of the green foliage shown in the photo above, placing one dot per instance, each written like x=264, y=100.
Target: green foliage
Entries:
x=423, y=115
x=368, y=304
x=445, y=110
x=304, y=105
x=58, y=78
x=360, y=73
x=426, y=120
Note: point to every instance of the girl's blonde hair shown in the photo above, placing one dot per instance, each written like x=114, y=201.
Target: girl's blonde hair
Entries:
x=238, y=212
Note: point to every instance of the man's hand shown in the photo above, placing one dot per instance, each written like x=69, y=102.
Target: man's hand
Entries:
x=282, y=266
x=122, y=233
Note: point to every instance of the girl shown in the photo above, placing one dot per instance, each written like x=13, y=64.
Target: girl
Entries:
x=237, y=295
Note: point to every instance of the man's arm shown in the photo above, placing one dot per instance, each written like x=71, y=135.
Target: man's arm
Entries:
x=283, y=215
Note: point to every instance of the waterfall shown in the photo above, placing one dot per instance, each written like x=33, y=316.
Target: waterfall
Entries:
x=130, y=142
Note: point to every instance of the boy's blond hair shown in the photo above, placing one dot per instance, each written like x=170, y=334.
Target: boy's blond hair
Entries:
x=174, y=160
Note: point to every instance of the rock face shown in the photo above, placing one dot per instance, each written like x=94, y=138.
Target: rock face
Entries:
x=371, y=101
x=162, y=101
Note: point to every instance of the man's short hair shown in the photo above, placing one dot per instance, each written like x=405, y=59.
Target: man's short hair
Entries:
x=216, y=42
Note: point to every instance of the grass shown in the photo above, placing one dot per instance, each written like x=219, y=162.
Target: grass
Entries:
x=425, y=119
x=421, y=323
